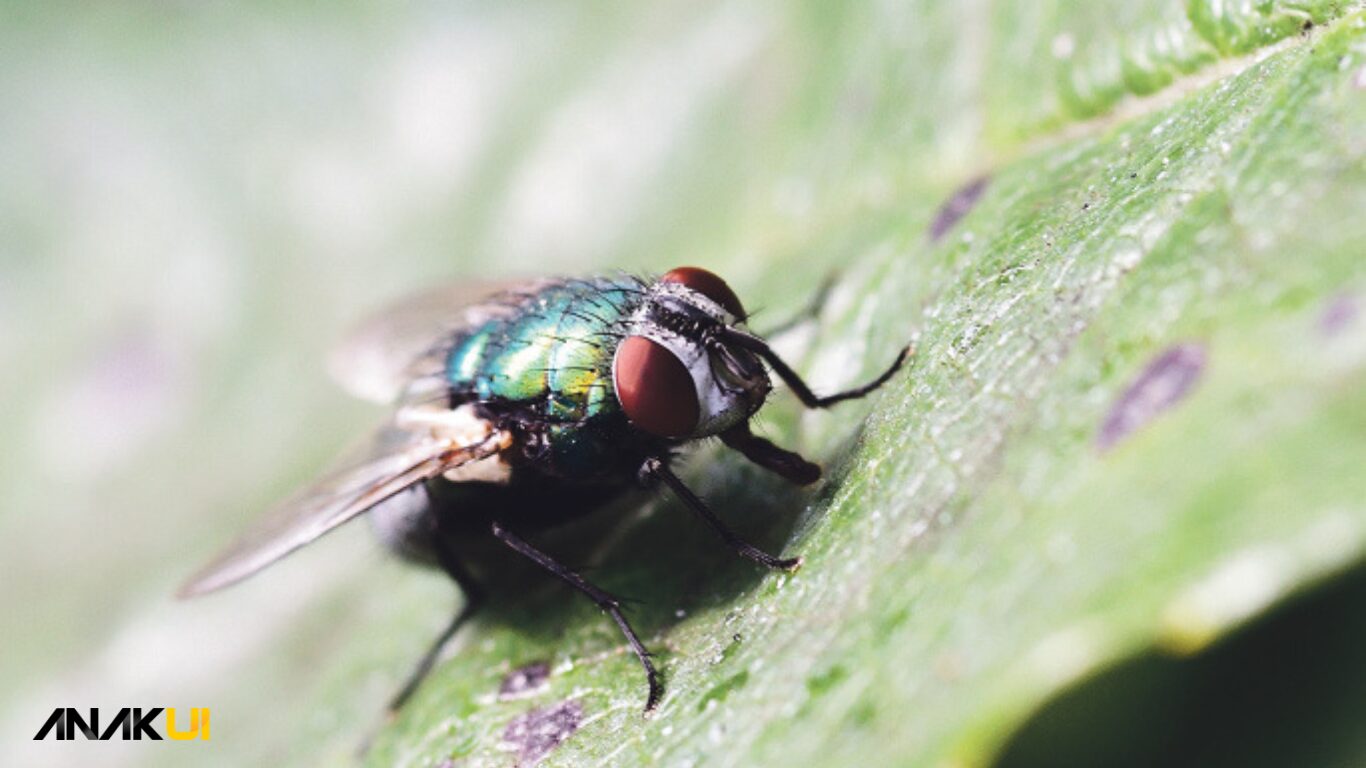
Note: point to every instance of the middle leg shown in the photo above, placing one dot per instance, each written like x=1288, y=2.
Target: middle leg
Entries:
x=656, y=469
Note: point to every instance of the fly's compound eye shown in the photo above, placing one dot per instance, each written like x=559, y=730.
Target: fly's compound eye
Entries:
x=707, y=284
x=655, y=388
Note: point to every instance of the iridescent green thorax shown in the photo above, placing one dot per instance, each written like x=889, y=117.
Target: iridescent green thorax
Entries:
x=552, y=354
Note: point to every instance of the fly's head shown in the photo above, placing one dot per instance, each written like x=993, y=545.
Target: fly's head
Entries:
x=679, y=372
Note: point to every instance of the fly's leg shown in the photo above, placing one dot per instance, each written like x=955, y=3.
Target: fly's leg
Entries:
x=656, y=469
x=607, y=602
x=809, y=312
x=761, y=348
x=474, y=597
x=780, y=461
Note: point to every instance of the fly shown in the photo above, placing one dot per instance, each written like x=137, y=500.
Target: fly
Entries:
x=529, y=408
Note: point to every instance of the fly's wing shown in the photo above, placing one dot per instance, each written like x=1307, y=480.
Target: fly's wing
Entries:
x=401, y=350
x=395, y=460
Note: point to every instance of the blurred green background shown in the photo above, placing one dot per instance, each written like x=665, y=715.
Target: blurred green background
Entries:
x=196, y=200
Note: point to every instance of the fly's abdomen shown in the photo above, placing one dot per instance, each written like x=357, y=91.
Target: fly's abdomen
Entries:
x=554, y=355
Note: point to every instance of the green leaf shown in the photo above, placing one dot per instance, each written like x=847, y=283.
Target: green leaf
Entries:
x=1125, y=236
x=979, y=544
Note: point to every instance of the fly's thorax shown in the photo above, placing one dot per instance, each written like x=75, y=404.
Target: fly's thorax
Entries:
x=675, y=374
x=551, y=355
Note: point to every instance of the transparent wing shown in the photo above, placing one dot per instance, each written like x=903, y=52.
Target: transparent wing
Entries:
x=403, y=346
x=394, y=460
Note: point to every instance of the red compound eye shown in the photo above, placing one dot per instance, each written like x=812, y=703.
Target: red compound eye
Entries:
x=707, y=284
x=655, y=389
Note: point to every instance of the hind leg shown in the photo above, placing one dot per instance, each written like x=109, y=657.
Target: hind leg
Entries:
x=408, y=525
x=474, y=597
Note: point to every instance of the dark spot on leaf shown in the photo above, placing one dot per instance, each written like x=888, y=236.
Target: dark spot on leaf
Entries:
x=1163, y=383
x=525, y=680
x=536, y=733
x=957, y=206
x=1340, y=314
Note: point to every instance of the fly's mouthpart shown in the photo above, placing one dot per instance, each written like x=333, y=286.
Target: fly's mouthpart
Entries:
x=729, y=372
x=735, y=371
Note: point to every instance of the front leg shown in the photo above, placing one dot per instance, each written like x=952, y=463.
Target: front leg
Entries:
x=780, y=461
x=810, y=312
x=656, y=469
x=761, y=348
